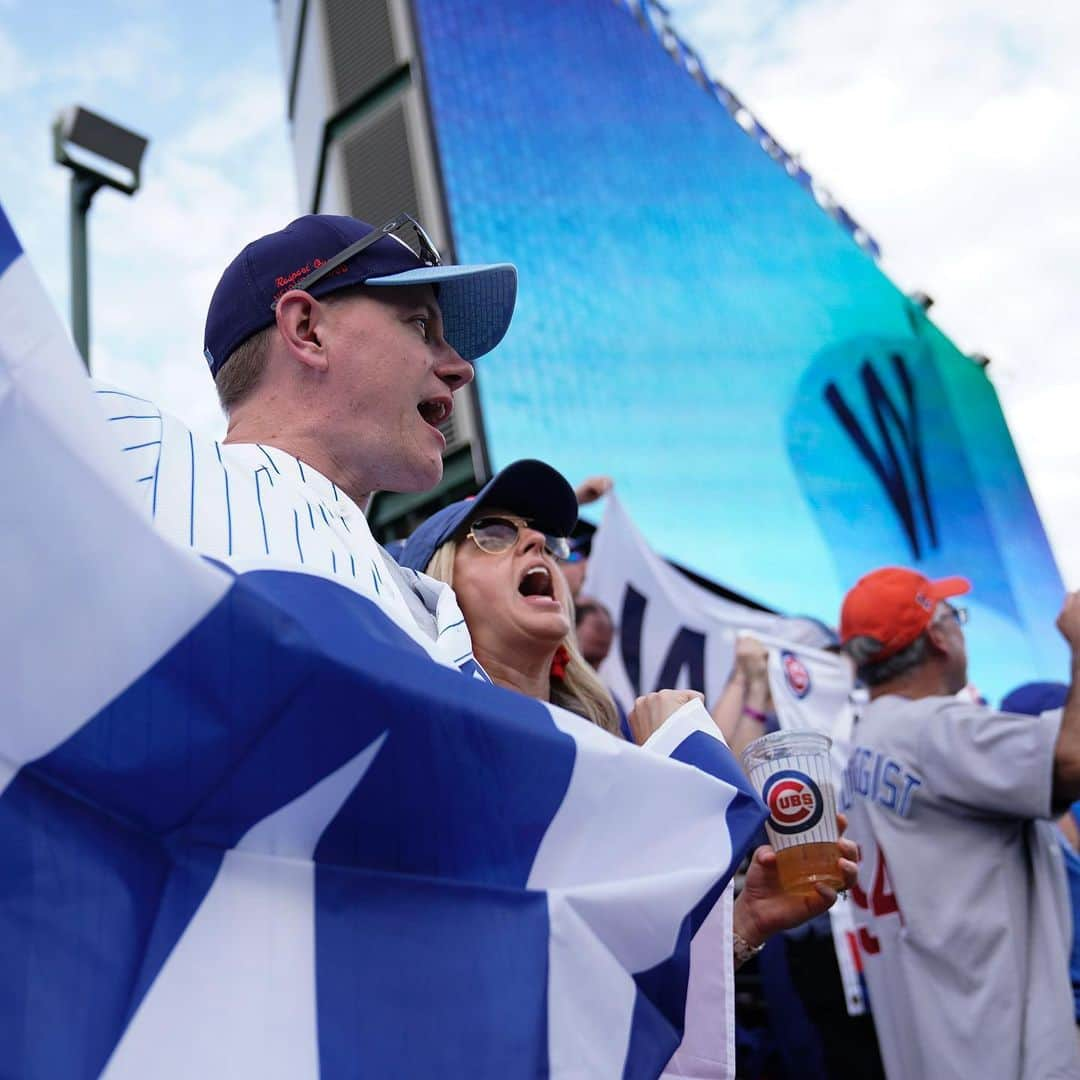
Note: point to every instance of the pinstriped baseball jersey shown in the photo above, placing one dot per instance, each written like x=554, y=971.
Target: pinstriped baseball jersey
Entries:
x=251, y=504
x=963, y=915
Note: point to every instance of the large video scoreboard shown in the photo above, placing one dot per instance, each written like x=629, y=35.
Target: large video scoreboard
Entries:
x=777, y=415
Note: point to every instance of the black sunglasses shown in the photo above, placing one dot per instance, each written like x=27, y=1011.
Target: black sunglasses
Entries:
x=425, y=250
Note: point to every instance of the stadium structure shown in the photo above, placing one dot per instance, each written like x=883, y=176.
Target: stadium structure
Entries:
x=697, y=316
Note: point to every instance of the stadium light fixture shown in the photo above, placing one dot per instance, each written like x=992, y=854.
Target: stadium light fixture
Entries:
x=99, y=154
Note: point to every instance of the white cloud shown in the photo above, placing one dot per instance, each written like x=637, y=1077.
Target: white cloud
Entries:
x=137, y=55
x=16, y=72
x=217, y=174
x=949, y=132
x=242, y=110
x=160, y=255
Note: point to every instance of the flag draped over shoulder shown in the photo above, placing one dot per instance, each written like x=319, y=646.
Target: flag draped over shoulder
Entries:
x=249, y=828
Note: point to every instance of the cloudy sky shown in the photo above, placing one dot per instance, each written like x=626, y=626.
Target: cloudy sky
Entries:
x=948, y=129
x=203, y=81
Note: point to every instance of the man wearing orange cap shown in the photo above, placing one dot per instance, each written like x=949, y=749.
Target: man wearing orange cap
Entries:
x=961, y=904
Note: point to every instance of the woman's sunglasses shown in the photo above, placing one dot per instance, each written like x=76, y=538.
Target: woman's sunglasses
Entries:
x=498, y=534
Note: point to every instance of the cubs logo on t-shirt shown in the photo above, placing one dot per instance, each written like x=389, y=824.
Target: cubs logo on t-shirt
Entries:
x=796, y=674
x=794, y=801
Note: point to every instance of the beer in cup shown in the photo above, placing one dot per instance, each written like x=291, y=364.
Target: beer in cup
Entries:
x=791, y=771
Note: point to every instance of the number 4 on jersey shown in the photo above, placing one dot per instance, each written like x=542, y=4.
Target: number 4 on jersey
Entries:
x=882, y=901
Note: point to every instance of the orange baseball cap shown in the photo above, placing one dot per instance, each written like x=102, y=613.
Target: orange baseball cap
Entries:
x=895, y=606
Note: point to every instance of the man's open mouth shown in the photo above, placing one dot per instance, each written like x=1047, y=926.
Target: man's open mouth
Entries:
x=436, y=411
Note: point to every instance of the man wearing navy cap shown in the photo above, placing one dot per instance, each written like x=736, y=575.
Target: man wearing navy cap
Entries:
x=963, y=917
x=345, y=345
x=336, y=349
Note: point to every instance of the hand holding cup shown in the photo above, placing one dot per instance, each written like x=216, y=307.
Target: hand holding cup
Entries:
x=791, y=771
x=763, y=908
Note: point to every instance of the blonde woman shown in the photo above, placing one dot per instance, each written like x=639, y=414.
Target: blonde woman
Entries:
x=501, y=553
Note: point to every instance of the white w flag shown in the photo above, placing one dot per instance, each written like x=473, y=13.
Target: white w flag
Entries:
x=673, y=633
x=249, y=828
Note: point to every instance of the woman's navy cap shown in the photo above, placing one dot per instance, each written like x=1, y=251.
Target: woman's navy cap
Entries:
x=528, y=488
x=476, y=301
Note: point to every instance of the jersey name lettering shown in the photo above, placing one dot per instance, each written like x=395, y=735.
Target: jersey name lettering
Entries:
x=883, y=780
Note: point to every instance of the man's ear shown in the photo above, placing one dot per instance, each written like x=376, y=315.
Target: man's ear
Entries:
x=301, y=321
x=936, y=635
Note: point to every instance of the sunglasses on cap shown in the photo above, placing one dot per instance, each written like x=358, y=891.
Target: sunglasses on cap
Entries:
x=957, y=614
x=424, y=249
x=498, y=533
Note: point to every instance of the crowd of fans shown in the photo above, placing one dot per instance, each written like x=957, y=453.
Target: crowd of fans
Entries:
x=903, y=638
x=350, y=367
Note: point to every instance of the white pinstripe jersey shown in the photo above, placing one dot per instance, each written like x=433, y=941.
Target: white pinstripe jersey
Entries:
x=253, y=505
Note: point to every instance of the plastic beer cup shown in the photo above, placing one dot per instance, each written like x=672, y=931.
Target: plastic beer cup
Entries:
x=791, y=770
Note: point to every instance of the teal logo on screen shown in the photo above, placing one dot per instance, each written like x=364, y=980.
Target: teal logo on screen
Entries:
x=884, y=467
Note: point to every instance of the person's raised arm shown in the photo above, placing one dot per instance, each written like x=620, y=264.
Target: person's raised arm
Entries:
x=739, y=711
x=595, y=487
x=1066, y=787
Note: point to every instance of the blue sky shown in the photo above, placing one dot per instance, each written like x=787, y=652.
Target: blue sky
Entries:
x=949, y=130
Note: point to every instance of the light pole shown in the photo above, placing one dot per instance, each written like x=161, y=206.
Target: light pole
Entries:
x=99, y=154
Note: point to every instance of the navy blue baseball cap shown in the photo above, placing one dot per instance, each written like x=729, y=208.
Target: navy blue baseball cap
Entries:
x=1034, y=698
x=476, y=301
x=529, y=488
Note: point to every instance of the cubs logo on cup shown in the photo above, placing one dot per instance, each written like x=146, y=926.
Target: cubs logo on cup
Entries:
x=795, y=674
x=794, y=801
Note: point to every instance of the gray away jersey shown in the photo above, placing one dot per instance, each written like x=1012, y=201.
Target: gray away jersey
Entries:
x=962, y=909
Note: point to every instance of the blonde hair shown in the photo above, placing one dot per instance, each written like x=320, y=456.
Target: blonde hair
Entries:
x=579, y=690
x=244, y=366
x=243, y=369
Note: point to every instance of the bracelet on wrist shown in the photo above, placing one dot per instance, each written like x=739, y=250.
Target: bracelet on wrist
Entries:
x=755, y=714
x=742, y=950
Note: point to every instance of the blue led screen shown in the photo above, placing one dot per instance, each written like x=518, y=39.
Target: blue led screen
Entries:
x=777, y=415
